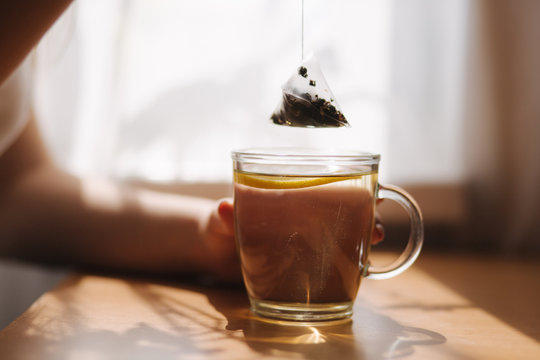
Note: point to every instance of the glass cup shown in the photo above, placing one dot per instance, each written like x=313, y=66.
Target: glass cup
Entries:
x=303, y=225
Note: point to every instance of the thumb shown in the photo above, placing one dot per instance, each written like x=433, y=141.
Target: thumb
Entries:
x=226, y=214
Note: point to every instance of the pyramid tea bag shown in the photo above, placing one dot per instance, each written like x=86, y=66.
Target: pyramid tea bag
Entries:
x=307, y=100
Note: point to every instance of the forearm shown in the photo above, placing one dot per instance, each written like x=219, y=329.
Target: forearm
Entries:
x=53, y=217
x=50, y=216
x=22, y=24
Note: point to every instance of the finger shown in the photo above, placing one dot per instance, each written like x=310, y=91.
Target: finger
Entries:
x=378, y=234
x=378, y=218
x=226, y=215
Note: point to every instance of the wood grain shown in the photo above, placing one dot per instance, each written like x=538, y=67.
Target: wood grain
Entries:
x=444, y=307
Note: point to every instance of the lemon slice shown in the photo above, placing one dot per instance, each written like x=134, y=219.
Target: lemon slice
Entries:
x=285, y=182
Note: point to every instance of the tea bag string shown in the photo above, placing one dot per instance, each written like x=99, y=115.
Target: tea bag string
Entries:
x=302, y=31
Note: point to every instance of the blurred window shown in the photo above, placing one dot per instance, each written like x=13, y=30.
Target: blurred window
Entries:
x=164, y=90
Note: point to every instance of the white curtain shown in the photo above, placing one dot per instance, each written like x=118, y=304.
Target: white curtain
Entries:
x=428, y=49
x=163, y=91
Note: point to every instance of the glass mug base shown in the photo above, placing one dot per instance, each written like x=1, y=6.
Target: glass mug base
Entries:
x=302, y=311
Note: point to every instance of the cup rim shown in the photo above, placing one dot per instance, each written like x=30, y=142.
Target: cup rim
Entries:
x=304, y=154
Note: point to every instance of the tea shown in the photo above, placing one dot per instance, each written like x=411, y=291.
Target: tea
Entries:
x=304, y=239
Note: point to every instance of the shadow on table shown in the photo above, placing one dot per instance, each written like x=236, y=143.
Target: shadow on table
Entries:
x=367, y=335
x=205, y=322
x=56, y=329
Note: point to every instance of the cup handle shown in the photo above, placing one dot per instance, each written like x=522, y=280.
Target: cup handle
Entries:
x=416, y=236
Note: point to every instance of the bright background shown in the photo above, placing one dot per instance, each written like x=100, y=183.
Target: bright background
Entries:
x=164, y=90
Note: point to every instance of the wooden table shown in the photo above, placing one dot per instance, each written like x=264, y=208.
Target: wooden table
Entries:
x=444, y=307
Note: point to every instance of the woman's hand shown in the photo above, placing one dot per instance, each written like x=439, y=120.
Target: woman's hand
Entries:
x=378, y=231
x=218, y=239
x=222, y=257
